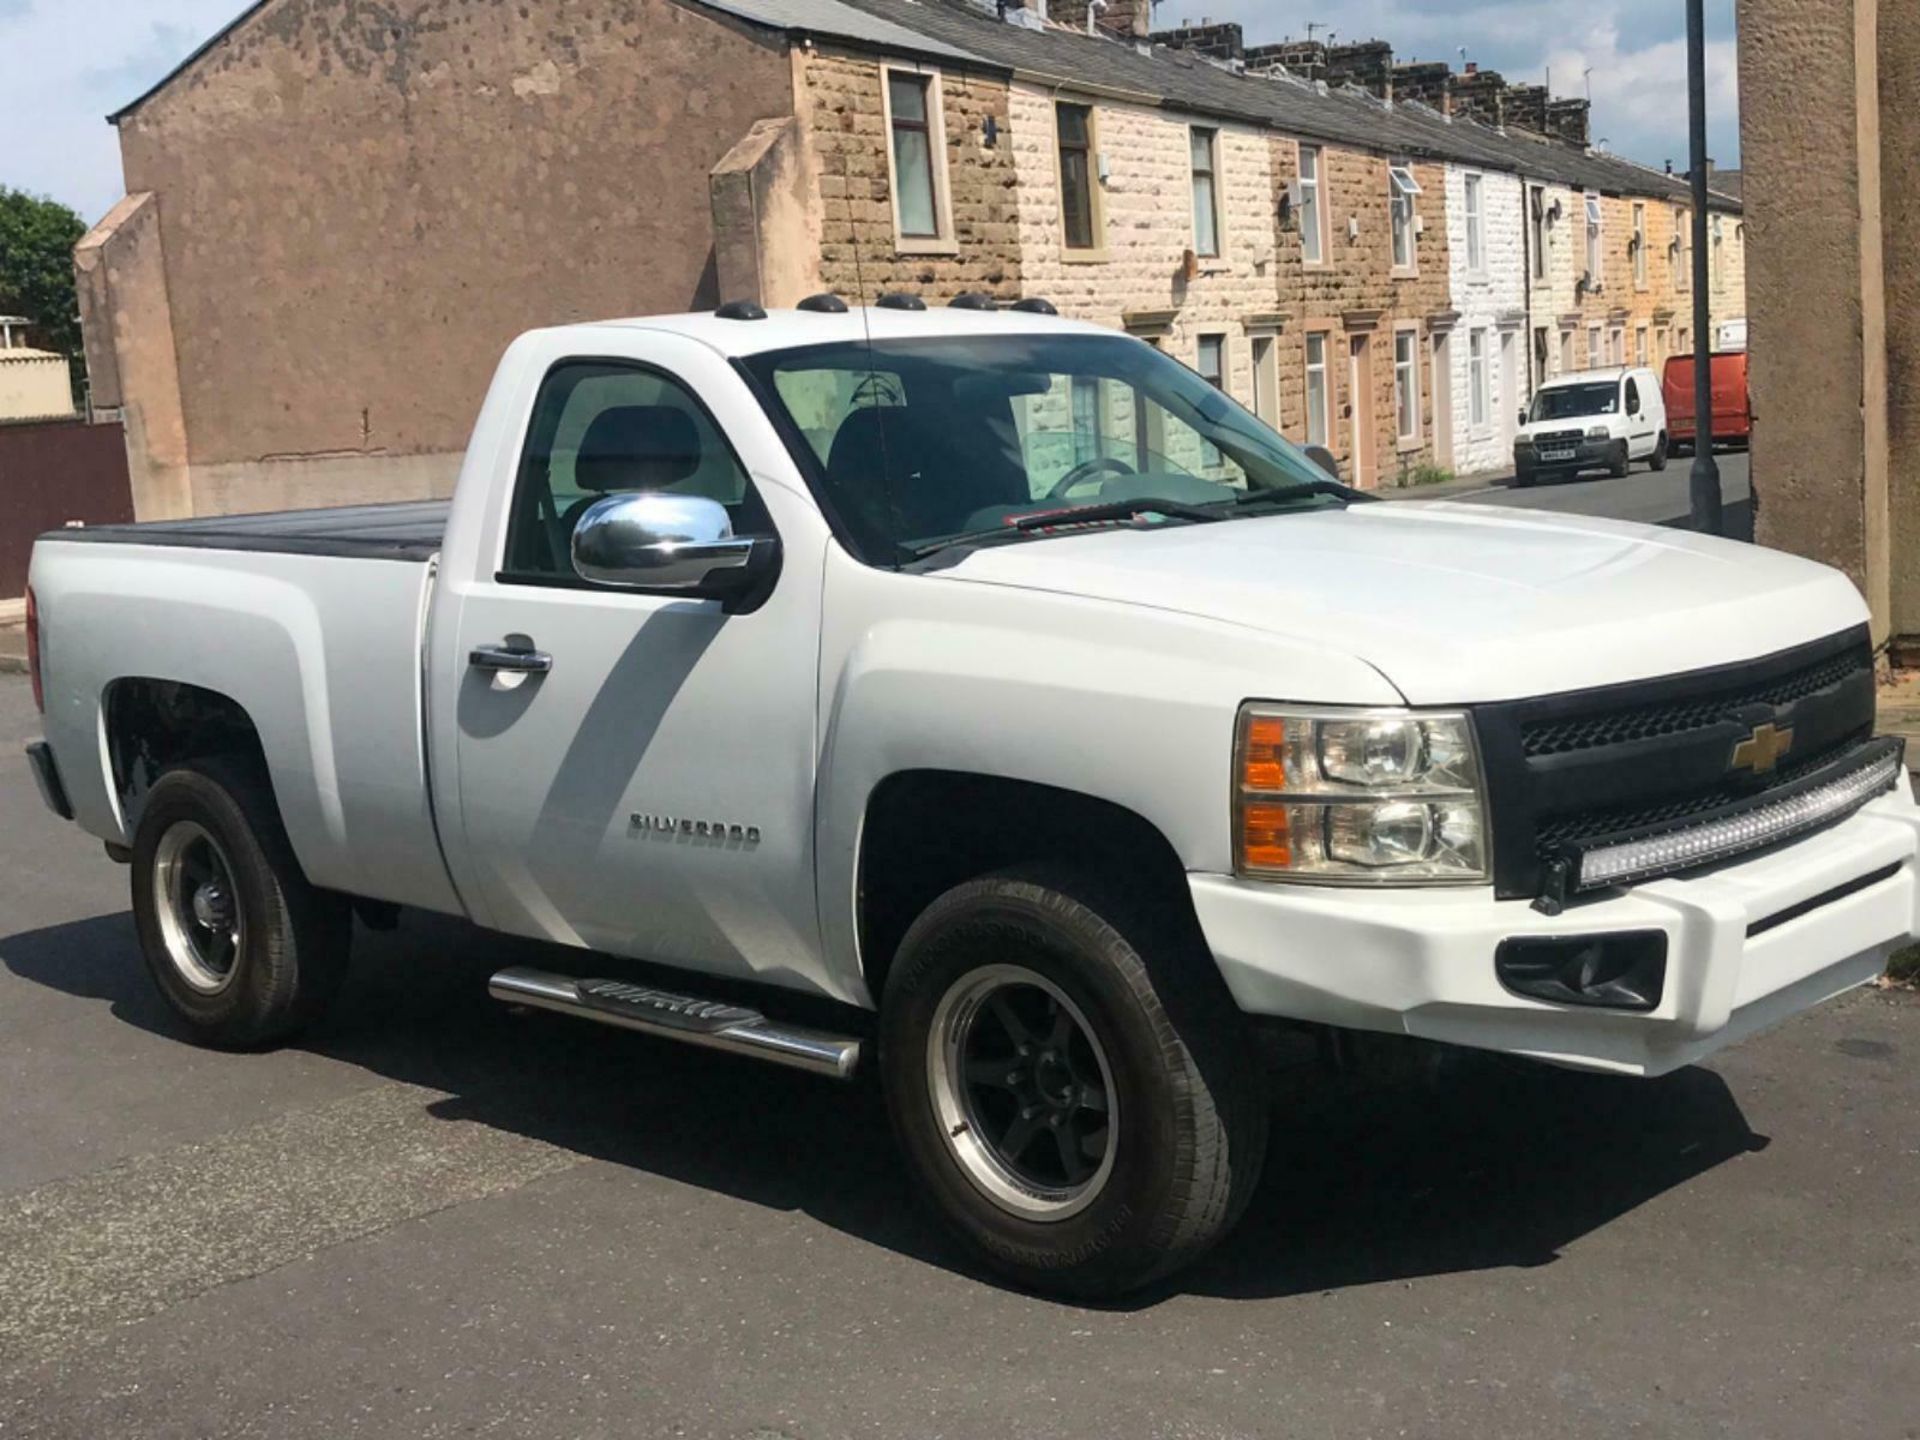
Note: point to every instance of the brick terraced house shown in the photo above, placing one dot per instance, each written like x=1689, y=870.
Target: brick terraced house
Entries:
x=338, y=215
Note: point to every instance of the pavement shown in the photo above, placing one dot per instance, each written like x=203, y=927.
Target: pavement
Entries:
x=433, y=1218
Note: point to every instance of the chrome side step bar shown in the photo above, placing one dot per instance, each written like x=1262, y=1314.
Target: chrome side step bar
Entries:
x=679, y=1017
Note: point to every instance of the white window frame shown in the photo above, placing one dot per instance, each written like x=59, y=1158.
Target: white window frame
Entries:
x=1473, y=186
x=1682, y=251
x=1403, y=217
x=1596, y=346
x=1479, y=380
x=1617, y=345
x=1595, y=218
x=1409, y=428
x=1313, y=209
x=943, y=242
x=1639, y=245
x=1642, y=346
x=1215, y=154
x=1323, y=414
x=1719, y=278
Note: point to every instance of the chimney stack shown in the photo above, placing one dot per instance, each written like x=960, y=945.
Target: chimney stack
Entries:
x=1480, y=95
x=1366, y=63
x=1216, y=42
x=1427, y=82
x=1569, y=121
x=1306, y=59
x=1526, y=106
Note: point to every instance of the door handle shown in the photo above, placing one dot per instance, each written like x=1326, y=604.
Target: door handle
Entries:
x=507, y=657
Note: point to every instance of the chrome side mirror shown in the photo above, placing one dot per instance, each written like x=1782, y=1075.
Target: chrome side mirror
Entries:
x=671, y=544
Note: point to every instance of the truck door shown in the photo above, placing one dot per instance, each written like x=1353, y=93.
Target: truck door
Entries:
x=642, y=781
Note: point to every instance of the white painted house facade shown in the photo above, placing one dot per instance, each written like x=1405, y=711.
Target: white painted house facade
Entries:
x=1484, y=354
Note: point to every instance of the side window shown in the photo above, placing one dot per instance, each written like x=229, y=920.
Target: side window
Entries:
x=603, y=428
x=1633, y=396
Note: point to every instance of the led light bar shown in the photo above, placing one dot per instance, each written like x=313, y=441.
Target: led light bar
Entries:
x=1630, y=860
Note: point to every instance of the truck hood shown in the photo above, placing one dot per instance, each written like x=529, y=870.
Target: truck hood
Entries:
x=1454, y=603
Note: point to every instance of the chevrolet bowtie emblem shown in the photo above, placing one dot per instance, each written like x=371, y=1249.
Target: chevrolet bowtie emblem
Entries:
x=1762, y=750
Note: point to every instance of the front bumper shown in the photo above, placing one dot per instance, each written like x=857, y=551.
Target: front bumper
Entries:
x=1421, y=962
x=1587, y=454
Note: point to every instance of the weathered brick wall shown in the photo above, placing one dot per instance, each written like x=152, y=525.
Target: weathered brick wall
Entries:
x=842, y=107
x=1490, y=301
x=1728, y=283
x=1147, y=203
x=1353, y=288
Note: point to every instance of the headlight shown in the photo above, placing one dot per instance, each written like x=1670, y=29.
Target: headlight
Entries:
x=1358, y=796
x=1598, y=432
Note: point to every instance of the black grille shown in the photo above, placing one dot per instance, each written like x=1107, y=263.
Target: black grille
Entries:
x=1557, y=830
x=1655, y=754
x=1560, y=437
x=1584, y=732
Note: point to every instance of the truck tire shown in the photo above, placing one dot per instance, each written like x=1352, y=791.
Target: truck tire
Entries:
x=1621, y=463
x=1523, y=476
x=1070, y=1080
x=1660, y=449
x=244, y=950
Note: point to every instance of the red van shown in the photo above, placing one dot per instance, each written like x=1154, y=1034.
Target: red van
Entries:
x=1732, y=412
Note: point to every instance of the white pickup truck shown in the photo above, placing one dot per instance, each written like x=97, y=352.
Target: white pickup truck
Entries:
x=994, y=688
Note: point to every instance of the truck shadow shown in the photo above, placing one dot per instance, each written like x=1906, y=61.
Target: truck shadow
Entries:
x=1473, y=1164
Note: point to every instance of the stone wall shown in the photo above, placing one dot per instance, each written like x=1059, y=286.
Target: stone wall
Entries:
x=843, y=116
x=359, y=208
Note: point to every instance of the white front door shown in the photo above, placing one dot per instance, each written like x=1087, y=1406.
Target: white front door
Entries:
x=650, y=793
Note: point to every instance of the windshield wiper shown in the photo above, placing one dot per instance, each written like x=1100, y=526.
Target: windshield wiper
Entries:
x=1114, y=510
x=1305, y=490
x=1023, y=525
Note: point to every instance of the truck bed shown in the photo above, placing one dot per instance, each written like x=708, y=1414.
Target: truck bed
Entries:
x=405, y=530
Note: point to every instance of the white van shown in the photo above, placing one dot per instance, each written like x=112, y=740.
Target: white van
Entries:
x=1595, y=420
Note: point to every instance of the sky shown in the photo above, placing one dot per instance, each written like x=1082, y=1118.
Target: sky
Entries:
x=67, y=63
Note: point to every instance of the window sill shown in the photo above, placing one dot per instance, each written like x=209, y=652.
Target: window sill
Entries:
x=1406, y=274
x=1070, y=256
x=1409, y=446
x=907, y=245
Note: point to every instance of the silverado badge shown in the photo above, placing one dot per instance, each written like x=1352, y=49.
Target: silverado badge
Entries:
x=1762, y=750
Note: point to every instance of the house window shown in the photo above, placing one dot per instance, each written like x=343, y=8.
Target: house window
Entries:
x=1312, y=231
x=1640, y=346
x=1594, y=356
x=1075, y=126
x=1402, y=188
x=1719, y=253
x=1682, y=251
x=916, y=200
x=1681, y=342
x=1317, y=418
x=1266, y=380
x=1476, y=226
x=1593, y=240
x=1206, y=196
x=1640, y=247
x=1479, y=383
x=1566, y=352
x=1617, y=346
x=1537, y=220
x=1406, y=384
x=1212, y=358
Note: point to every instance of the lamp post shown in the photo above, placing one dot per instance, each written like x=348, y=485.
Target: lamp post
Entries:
x=1703, y=481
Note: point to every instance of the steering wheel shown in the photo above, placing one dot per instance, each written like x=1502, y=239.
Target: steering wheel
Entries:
x=1085, y=471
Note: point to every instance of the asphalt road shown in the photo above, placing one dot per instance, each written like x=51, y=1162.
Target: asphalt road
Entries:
x=433, y=1218
x=1661, y=499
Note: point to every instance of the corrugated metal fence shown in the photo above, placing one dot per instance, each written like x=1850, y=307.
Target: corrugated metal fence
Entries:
x=53, y=472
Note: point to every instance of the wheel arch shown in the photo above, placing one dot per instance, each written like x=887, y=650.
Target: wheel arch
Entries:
x=926, y=830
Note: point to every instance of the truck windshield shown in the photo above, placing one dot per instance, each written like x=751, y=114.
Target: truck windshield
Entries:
x=919, y=444
x=1568, y=402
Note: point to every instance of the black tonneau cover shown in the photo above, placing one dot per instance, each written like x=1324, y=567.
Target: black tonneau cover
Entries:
x=404, y=530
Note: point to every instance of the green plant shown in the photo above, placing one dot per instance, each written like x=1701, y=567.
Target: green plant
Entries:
x=1904, y=967
x=1425, y=473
